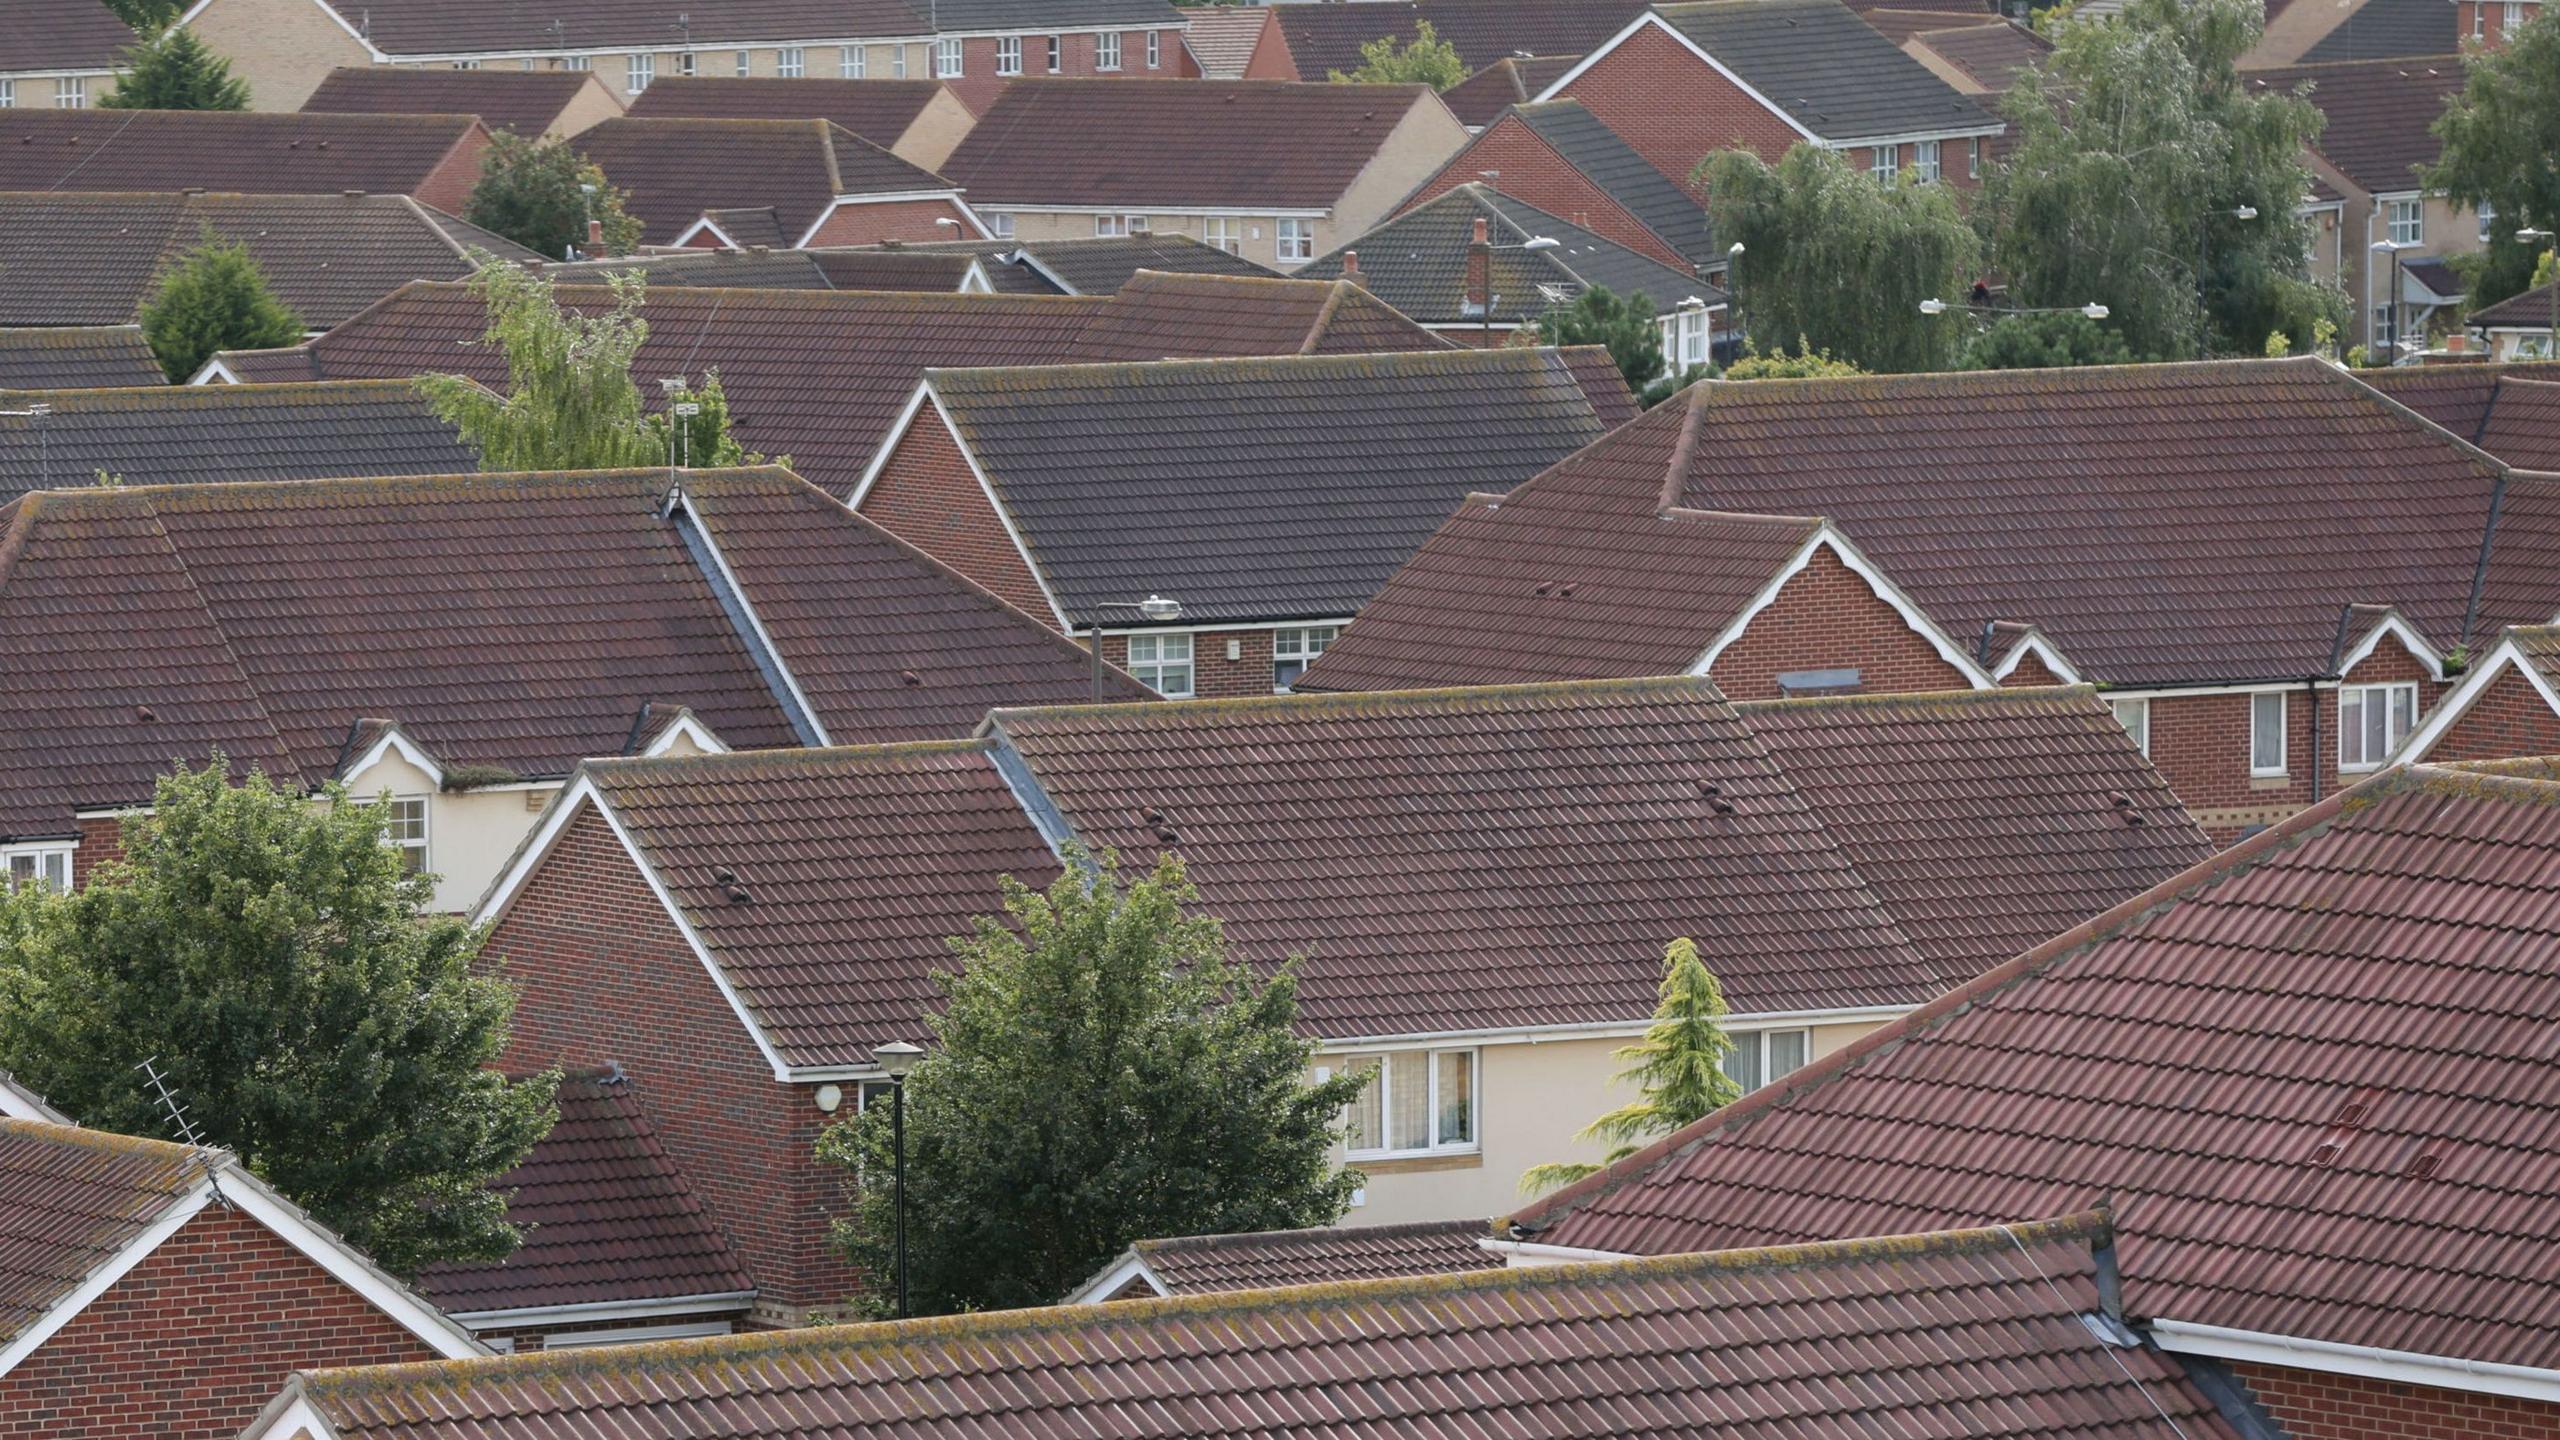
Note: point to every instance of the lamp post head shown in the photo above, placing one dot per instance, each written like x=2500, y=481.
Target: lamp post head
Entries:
x=1734, y=249
x=1160, y=609
x=1933, y=306
x=2245, y=212
x=2531, y=233
x=2095, y=311
x=946, y=220
x=897, y=1058
x=1540, y=242
x=1693, y=303
x=2386, y=247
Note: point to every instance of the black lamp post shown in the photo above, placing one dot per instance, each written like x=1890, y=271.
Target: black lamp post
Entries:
x=896, y=1059
x=1154, y=607
x=2391, y=306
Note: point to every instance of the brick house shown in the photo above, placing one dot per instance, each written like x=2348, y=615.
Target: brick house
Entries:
x=1269, y=496
x=1276, y=172
x=536, y=104
x=1239, y=42
x=2492, y=23
x=742, y=930
x=285, y=48
x=461, y=643
x=1557, y=156
x=919, y=121
x=433, y=159
x=2103, y=549
x=2518, y=327
x=2333, y=1193
x=796, y=182
x=2506, y=705
x=162, y=1292
x=59, y=56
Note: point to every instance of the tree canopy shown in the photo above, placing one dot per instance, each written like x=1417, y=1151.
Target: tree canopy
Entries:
x=2501, y=138
x=1838, y=260
x=272, y=960
x=1428, y=60
x=537, y=193
x=214, y=299
x=2037, y=342
x=175, y=71
x=1677, y=1069
x=1103, y=1073
x=1625, y=326
x=2137, y=151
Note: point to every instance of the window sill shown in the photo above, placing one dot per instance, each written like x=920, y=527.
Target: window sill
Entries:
x=2269, y=779
x=1417, y=1164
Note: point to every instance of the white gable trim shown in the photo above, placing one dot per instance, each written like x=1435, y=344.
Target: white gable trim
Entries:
x=20, y=1103
x=1130, y=1266
x=2407, y=1367
x=891, y=197
x=394, y=743
x=974, y=281
x=2034, y=643
x=761, y=637
x=2457, y=702
x=1529, y=1255
x=1824, y=538
x=290, y=1416
x=1556, y=90
x=214, y=372
x=171, y=1221
x=353, y=33
x=880, y=458
x=608, y=1310
x=345, y=1264
x=686, y=727
x=2392, y=625
x=685, y=240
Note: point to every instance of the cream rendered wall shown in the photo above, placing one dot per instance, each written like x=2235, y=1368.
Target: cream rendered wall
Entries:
x=283, y=48
x=1260, y=244
x=937, y=131
x=1533, y=1099
x=817, y=62
x=1417, y=149
x=594, y=105
x=470, y=833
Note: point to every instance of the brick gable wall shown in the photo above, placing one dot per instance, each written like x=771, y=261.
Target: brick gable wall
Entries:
x=2316, y=1405
x=448, y=186
x=605, y=976
x=1532, y=171
x=101, y=840
x=193, y=1341
x=2030, y=671
x=1828, y=617
x=1213, y=675
x=894, y=220
x=2510, y=718
x=1675, y=108
x=927, y=497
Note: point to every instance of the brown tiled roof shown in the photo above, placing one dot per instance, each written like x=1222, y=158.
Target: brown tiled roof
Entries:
x=671, y=171
x=527, y=102
x=606, y=1216
x=1824, y=68
x=1901, y=25
x=70, y=1201
x=243, y=151
x=1104, y=265
x=1418, y=263
x=76, y=357
x=2530, y=310
x=1162, y=316
x=1269, y=1259
x=444, y=27
x=1481, y=98
x=2162, y=524
x=1992, y=55
x=877, y=110
x=514, y=621
x=2458, y=397
x=61, y=35
x=2381, y=113
x=748, y=269
x=95, y=258
x=2523, y=428
x=160, y=434
x=1970, y=1333
x=860, y=866
x=2313, y=1073
x=1261, y=489
x=1177, y=142
x=1223, y=38
x=1325, y=38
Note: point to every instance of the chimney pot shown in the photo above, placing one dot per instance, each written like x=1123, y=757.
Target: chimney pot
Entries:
x=595, y=237
x=1479, y=231
x=1350, y=264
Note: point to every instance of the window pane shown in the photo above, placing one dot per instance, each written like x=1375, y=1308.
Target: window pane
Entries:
x=1786, y=1050
x=2404, y=712
x=1366, y=1110
x=1409, y=1100
x=1457, y=1097
x=2350, y=727
x=2375, y=716
x=2266, y=732
x=2135, y=717
x=1742, y=1062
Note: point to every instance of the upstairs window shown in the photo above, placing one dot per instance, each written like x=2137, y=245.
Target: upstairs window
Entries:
x=1421, y=1102
x=791, y=63
x=688, y=63
x=2408, y=222
x=852, y=63
x=1887, y=164
x=1009, y=55
x=1162, y=663
x=1106, y=51
x=999, y=223
x=1760, y=1056
x=577, y=62
x=1296, y=648
x=897, y=62
x=946, y=59
x=1116, y=225
x=1056, y=58
x=2512, y=20
x=70, y=92
x=2135, y=717
x=2266, y=735
x=1223, y=232
x=404, y=828
x=8, y=94
x=638, y=71
x=1155, y=49
x=46, y=865
x=1924, y=161
x=742, y=63
x=1297, y=240
x=2372, y=721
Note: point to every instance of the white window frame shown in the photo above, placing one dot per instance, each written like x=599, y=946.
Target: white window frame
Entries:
x=897, y=62
x=1057, y=54
x=744, y=62
x=2408, y=222
x=1431, y=1101
x=638, y=71
x=1106, y=51
x=948, y=58
x=1155, y=49
x=466, y=64
x=411, y=845
x=999, y=223
x=1161, y=663
x=688, y=63
x=2133, y=712
x=1008, y=54
x=49, y=862
x=2259, y=769
x=1973, y=160
x=1294, y=239
x=1885, y=163
x=1297, y=639
x=791, y=63
x=1223, y=232
x=2392, y=733
x=70, y=92
x=2511, y=19
x=2488, y=214
x=853, y=62
x=1755, y=1045
x=579, y=63
x=1925, y=161
x=8, y=94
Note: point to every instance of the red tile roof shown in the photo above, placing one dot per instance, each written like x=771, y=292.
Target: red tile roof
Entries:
x=70, y=1201
x=1972, y=1333
x=2530, y=310
x=527, y=102
x=1991, y=55
x=1160, y=315
x=1223, y=38
x=2313, y=1072
x=2512, y=411
x=877, y=110
x=61, y=35
x=247, y=152
x=1259, y=143
x=447, y=27
x=606, y=1215
x=1481, y=98
x=671, y=171
x=162, y=434
x=1268, y=1259
x=1325, y=38
x=76, y=357
x=2381, y=113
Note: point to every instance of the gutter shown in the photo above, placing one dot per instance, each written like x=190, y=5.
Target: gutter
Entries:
x=604, y=1310
x=2406, y=1367
x=1522, y=1254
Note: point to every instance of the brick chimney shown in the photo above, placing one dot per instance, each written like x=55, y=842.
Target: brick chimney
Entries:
x=1351, y=269
x=595, y=237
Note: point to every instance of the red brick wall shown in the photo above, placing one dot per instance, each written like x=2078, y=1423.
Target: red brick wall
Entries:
x=1674, y=108
x=195, y=1340
x=606, y=976
x=101, y=840
x=978, y=82
x=2510, y=718
x=448, y=186
x=1271, y=59
x=2492, y=35
x=854, y=224
x=2315, y=1405
x=926, y=496
x=2031, y=671
x=1214, y=676
x=1827, y=617
x=1534, y=172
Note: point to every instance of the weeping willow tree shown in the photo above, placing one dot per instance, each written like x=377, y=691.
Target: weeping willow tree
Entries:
x=2148, y=177
x=1677, y=1069
x=1840, y=262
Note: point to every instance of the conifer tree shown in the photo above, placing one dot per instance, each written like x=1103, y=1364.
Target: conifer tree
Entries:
x=1677, y=1069
x=175, y=71
x=215, y=299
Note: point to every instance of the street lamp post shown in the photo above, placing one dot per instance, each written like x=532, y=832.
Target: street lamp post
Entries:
x=897, y=1059
x=2551, y=340
x=1733, y=292
x=1154, y=607
x=2392, y=248
x=2204, y=321
x=1480, y=260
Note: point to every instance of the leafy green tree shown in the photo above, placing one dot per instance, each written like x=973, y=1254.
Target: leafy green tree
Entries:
x=1626, y=327
x=541, y=193
x=146, y=16
x=2138, y=148
x=214, y=299
x=270, y=957
x=2037, y=342
x=1836, y=259
x=1104, y=1073
x=1802, y=363
x=703, y=438
x=1429, y=60
x=2501, y=139
x=1677, y=1069
x=175, y=71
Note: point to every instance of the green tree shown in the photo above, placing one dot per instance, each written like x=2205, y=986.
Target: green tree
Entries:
x=146, y=16
x=1802, y=363
x=2037, y=342
x=2501, y=139
x=214, y=299
x=2138, y=149
x=270, y=957
x=703, y=438
x=1626, y=327
x=1104, y=1073
x=1429, y=60
x=1833, y=257
x=1677, y=1069
x=541, y=193
x=175, y=71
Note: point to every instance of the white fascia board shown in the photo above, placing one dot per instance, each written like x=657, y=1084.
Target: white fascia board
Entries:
x=2392, y=625
x=353, y=33
x=1004, y=517
x=697, y=45
x=1711, y=62
x=2406, y=1367
x=1824, y=538
x=2457, y=702
x=530, y=1315
x=556, y=816
x=2035, y=644
x=1611, y=1030
x=974, y=281
x=755, y=622
x=1555, y=87
x=348, y=1267
x=394, y=743
x=1908, y=137
x=17, y=1102
x=685, y=240
x=685, y=728
x=290, y=1416
x=1131, y=1266
x=897, y=431
x=1528, y=1254
x=1248, y=209
x=2112, y=690
x=58, y=75
x=213, y=372
x=1220, y=627
x=181, y=1210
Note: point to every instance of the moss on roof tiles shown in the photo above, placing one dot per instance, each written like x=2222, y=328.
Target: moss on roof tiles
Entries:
x=1360, y=702
x=2004, y=697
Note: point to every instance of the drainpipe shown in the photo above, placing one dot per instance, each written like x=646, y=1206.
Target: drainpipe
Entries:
x=2311, y=690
